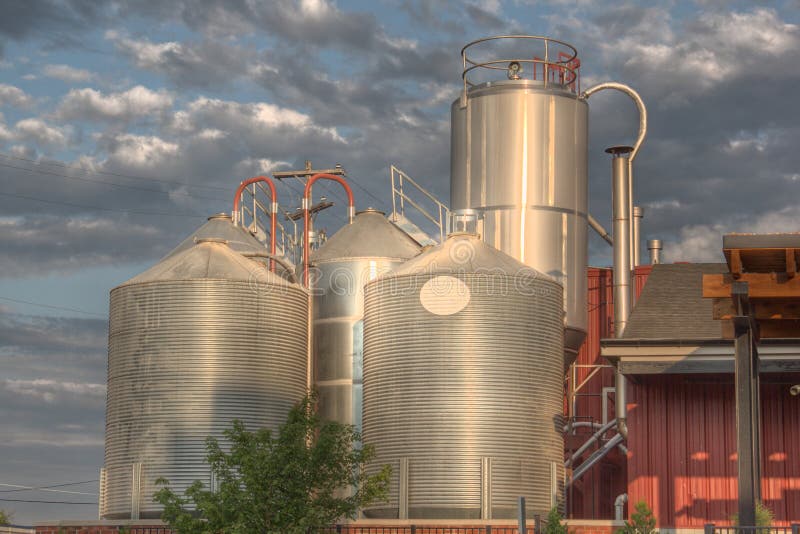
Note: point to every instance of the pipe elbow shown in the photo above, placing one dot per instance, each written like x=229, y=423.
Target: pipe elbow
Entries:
x=621, y=499
x=622, y=427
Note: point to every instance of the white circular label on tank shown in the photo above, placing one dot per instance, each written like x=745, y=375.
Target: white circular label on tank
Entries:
x=444, y=295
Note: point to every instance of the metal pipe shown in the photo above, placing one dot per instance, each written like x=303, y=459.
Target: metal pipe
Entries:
x=273, y=223
x=596, y=436
x=638, y=214
x=619, y=506
x=602, y=232
x=351, y=212
x=642, y=129
x=620, y=197
x=594, y=458
x=654, y=246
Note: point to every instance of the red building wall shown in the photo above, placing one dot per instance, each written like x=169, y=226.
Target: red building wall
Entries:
x=682, y=448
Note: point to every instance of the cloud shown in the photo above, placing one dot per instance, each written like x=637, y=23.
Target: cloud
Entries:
x=14, y=96
x=205, y=64
x=41, y=244
x=703, y=242
x=38, y=131
x=139, y=151
x=67, y=74
x=49, y=390
x=90, y=104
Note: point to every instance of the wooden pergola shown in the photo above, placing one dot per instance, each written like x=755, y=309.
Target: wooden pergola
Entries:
x=758, y=298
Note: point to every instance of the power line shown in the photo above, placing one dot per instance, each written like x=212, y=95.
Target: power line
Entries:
x=109, y=173
x=46, y=502
x=84, y=206
x=52, y=307
x=45, y=488
x=113, y=184
x=28, y=488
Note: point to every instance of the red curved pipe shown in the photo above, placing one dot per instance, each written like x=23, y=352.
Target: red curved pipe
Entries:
x=351, y=210
x=273, y=224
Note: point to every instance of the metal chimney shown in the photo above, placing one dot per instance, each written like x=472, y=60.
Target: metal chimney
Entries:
x=638, y=214
x=654, y=246
x=620, y=199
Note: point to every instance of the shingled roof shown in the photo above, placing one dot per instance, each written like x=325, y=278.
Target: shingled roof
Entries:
x=672, y=306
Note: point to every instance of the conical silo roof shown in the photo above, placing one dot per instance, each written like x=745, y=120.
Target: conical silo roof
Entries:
x=466, y=253
x=220, y=226
x=370, y=235
x=209, y=259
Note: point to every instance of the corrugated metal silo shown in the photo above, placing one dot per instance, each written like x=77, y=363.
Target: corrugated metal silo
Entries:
x=463, y=377
x=203, y=337
x=367, y=248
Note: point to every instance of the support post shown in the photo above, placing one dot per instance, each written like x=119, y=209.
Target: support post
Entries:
x=521, y=527
x=402, y=513
x=747, y=406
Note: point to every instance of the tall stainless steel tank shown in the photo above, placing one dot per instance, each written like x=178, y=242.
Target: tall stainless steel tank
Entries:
x=463, y=384
x=359, y=252
x=519, y=156
x=203, y=337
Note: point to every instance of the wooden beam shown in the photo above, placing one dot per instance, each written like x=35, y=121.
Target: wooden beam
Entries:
x=762, y=309
x=767, y=328
x=762, y=285
x=736, y=263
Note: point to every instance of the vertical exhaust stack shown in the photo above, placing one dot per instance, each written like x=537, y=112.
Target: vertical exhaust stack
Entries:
x=654, y=246
x=620, y=198
x=638, y=214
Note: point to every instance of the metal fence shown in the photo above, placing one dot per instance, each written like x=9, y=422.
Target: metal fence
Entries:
x=710, y=528
x=422, y=529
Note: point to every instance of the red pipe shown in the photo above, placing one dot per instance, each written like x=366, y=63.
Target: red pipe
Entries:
x=351, y=211
x=273, y=224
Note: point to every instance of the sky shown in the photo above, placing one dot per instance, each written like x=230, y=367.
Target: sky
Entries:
x=123, y=124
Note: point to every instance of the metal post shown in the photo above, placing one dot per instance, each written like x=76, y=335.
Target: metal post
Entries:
x=747, y=406
x=708, y=528
x=795, y=528
x=402, y=513
x=521, y=517
x=537, y=524
x=486, y=488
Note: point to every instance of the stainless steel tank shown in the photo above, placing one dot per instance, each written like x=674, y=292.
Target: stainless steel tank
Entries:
x=519, y=156
x=203, y=337
x=463, y=384
x=359, y=252
x=220, y=226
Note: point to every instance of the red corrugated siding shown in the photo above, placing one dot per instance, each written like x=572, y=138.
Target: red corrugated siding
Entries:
x=681, y=445
x=594, y=497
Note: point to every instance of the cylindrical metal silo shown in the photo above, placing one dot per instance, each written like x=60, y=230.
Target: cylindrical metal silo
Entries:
x=359, y=252
x=203, y=337
x=519, y=156
x=463, y=384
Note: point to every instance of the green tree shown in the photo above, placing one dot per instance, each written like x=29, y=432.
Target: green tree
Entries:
x=764, y=516
x=641, y=522
x=6, y=517
x=308, y=475
x=554, y=524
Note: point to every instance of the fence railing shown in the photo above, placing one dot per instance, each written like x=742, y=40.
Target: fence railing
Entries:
x=711, y=528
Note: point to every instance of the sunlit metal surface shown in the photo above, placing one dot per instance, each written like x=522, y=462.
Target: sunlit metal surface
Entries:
x=356, y=254
x=519, y=155
x=463, y=352
x=202, y=338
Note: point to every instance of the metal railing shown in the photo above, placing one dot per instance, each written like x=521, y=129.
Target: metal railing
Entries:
x=711, y=528
x=436, y=212
x=425, y=529
x=558, y=66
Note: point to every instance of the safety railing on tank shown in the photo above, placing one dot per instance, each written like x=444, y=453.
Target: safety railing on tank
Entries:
x=711, y=528
x=436, y=212
x=254, y=211
x=555, y=63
